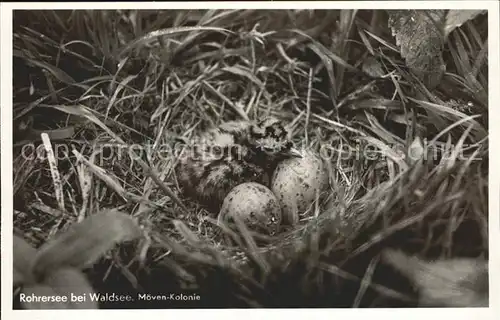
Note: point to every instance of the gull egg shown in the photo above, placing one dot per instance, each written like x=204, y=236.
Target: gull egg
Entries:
x=296, y=182
x=255, y=205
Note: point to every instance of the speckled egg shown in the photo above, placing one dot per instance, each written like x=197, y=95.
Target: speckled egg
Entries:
x=296, y=182
x=256, y=205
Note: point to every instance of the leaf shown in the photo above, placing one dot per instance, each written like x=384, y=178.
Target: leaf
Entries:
x=110, y=180
x=455, y=116
x=456, y=282
x=56, y=134
x=121, y=85
x=420, y=37
x=142, y=41
x=68, y=282
x=23, y=257
x=85, y=178
x=85, y=242
x=365, y=40
x=83, y=111
x=456, y=18
x=56, y=177
x=370, y=122
x=387, y=151
x=30, y=293
x=240, y=71
x=54, y=71
x=240, y=111
x=251, y=249
x=372, y=67
x=190, y=236
x=415, y=150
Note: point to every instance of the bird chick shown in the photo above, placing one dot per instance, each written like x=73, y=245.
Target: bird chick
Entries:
x=235, y=152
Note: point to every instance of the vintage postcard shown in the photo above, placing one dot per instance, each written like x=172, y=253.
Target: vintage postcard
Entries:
x=309, y=156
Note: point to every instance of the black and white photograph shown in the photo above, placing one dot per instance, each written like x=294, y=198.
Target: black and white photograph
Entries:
x=250, y=158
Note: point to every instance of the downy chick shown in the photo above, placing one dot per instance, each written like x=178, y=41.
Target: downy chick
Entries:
x=235, y=152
